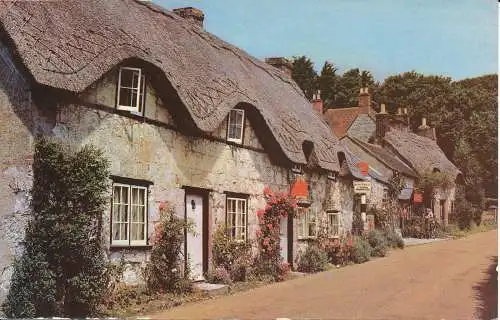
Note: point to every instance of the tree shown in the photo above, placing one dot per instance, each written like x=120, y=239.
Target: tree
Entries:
x=348, y=86
x=304, y=75
x=327, y=82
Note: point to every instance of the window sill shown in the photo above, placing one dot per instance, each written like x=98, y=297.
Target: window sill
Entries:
x=307, y=238
x=124, y=247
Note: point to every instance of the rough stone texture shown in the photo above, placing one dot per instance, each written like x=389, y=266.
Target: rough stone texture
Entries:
x=16, y=126
x=362, y=128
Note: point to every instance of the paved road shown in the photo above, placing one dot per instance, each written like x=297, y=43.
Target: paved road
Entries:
x=453, y=279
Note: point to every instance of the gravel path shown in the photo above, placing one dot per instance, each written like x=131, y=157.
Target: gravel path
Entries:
x=453, y=279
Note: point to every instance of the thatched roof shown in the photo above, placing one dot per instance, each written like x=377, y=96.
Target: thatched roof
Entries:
x=423, y=154
x=71, y=44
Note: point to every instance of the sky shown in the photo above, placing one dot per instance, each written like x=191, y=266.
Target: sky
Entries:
x=455, y=38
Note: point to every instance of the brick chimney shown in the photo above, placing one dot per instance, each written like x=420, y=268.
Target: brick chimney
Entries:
x=317, y=103
x=364, y=100
x=191, y=14
x=281, y=63
x=425, y=131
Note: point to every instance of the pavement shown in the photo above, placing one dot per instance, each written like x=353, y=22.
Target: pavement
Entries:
x=454, y=279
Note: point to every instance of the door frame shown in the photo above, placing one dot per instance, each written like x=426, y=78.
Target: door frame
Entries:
x=289, y=241
x=205, y=223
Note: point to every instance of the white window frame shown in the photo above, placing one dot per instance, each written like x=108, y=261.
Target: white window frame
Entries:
x=231, y=222
x=331, y=227
x=128, y=242
x=305, y=221
x=141, y=92
x=297, y=168
x=232, y=139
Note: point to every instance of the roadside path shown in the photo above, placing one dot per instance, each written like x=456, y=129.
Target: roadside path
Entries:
x=453, y=279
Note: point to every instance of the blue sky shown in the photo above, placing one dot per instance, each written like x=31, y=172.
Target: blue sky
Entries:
x=456, y=38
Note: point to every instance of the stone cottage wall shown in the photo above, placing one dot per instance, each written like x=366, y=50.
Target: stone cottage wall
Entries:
x=136, y=149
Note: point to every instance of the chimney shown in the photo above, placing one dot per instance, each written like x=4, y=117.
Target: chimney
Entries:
x=281, y=63
x=364, y=100
x=425, y=131
x=191, y=14
x=317, y=103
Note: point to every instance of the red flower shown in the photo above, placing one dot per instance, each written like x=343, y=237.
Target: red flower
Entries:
x=258, y=233
x=260, y=213
x=270, y=225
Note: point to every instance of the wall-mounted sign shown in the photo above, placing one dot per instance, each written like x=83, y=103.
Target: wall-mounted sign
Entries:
x=418, y=197
x=363, y=167
x=300, y=189
x=363, y=187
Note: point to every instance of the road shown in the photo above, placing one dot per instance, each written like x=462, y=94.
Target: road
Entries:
x=454, y=279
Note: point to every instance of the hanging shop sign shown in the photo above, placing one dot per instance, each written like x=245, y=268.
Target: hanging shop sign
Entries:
x=362, y=187
x=363, y=167
x=418, y=197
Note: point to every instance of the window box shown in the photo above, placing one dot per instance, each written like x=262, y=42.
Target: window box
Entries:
x=131, y=90
x=235, y=124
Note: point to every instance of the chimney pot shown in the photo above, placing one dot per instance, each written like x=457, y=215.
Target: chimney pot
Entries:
x=424, y=122
x=382, y=109
x=191, y=14
x=399, y=111
x=317, y=103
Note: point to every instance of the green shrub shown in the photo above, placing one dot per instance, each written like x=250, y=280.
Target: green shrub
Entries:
x=219, y=275
x=164, y=271
x=361, y=250
x=394, y=240
x=236, y=257
x=464, y=214
x=63, y=268
x=378, y=242
x=312, y=260
x=477, y=216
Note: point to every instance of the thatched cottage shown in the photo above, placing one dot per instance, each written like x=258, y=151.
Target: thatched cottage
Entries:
x=183, y=117
x=386, y=141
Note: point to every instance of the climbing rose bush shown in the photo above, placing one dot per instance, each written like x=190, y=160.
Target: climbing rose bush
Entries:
x=269, y=260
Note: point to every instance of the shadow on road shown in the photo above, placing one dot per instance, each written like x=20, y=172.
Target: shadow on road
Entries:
x=487, y=292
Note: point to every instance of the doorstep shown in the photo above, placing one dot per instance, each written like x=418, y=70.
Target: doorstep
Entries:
x=211, y=289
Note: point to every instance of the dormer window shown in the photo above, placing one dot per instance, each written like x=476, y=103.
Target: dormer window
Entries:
x=235, y=125
x=131, y=88
x=297, y=168
x=332, y=176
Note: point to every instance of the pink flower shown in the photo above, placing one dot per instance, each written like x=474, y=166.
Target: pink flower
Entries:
x=270, y=225
x=163, y=206
x=258, y=233
x=260, y=213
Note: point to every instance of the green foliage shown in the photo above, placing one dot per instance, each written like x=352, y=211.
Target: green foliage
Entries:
x=464, y=212
x=219, y=275
x=420, y=227
x=236, y=257
x=430, y=180
x=361, y=250
x=394, y=240
x=378, y=242
x=327, y=83
x=313, y=259
x=338, y=250
x=269, y=261
x=164, y=271
x=63, y=268
x=304, y=75
x=348, y=86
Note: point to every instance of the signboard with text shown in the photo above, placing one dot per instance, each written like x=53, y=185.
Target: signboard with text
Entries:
x=362, y=187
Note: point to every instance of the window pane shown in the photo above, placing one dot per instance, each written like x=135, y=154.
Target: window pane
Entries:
x=124, y=197
x=116, y=194
x=142, y=196
x=126, y=77
x=124, y=213
x=125, y=97
x=116, y=231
